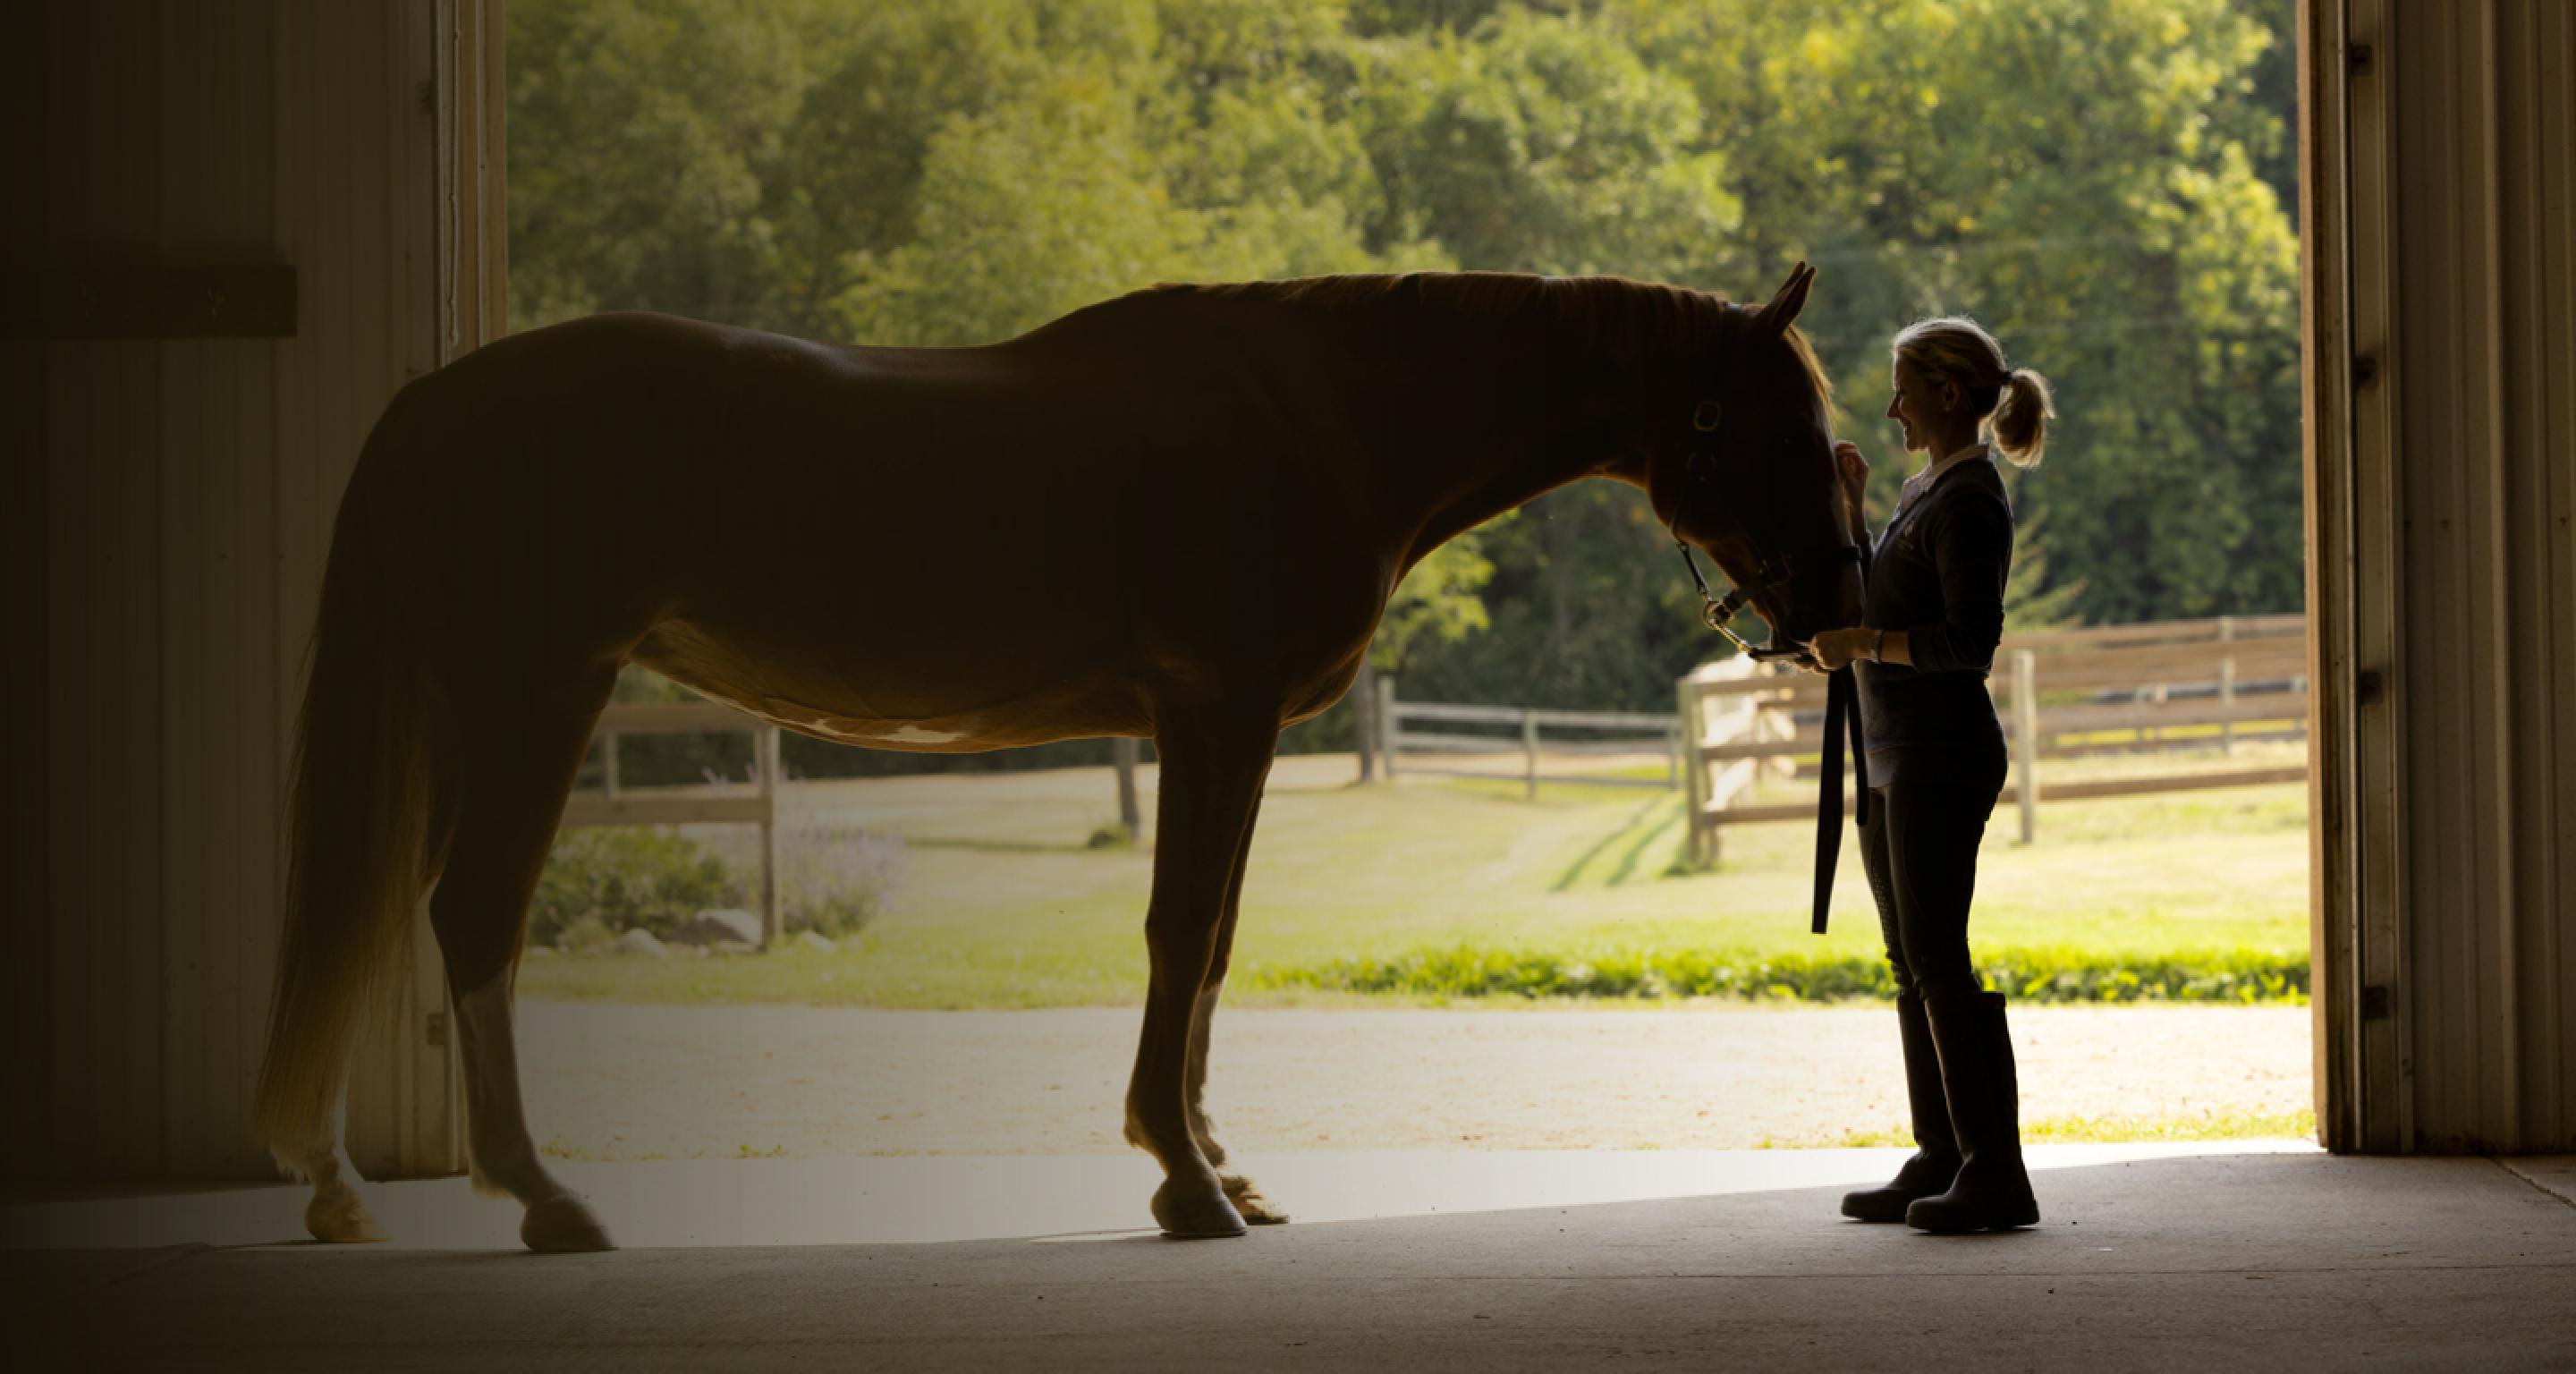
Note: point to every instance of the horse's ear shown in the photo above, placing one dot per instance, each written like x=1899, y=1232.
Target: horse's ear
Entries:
x=1785, y=303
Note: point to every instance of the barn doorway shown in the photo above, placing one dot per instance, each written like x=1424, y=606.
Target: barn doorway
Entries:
x=1625, y=854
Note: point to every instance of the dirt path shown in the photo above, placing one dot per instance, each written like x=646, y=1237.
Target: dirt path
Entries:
x=623, y=1082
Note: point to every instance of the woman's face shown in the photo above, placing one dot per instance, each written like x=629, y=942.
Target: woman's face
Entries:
x=1920, y=406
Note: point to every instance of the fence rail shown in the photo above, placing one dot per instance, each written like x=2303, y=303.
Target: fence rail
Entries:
x=717, y=806
x=1645, y=731
x=2150, y=688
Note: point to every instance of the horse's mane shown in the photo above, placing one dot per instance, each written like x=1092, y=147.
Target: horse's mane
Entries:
x=1625, y=320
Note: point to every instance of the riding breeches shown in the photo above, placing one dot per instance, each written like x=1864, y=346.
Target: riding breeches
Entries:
x=1920, y=850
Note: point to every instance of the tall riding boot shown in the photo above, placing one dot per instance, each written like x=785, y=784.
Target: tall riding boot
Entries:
x=1936, y=1150
x=1992, y=1191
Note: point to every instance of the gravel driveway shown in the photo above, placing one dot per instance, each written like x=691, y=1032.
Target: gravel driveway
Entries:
x=608, y=1081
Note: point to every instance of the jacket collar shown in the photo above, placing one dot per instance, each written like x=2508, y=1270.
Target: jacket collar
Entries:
x=1920, y=484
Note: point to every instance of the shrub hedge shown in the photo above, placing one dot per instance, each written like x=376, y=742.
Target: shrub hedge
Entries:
x=2027, y=975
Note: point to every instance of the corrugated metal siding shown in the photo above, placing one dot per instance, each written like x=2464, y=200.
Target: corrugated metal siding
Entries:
x=24, y=689
x=2483, y=153
x=218, y=784
x=171, y=504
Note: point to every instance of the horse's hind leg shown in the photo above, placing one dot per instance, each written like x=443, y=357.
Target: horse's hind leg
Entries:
x=520, y=767
x=1213, y=767
x=1242, y=1192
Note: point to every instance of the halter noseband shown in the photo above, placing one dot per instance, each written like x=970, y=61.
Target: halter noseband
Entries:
x=1774, y=574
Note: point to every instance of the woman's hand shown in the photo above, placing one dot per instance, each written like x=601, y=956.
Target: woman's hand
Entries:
x=1835, y=649
x=1853, y=470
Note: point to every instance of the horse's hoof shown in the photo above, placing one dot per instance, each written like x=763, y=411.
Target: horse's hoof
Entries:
x=1247, y=1199
x=1190, y=1210
x=336, y=1217
x=563, y=1225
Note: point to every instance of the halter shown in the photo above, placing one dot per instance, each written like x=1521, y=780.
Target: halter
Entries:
x=1774, y=575
x=1842, y=707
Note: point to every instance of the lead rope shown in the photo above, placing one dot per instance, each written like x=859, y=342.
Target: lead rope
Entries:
x=1842, y=713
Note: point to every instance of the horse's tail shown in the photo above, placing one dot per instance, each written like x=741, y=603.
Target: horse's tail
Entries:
x=361, y=814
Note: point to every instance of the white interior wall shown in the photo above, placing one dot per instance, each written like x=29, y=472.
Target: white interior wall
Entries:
x=170, y=503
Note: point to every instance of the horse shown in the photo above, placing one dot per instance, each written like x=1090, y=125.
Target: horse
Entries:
x=1176, y=515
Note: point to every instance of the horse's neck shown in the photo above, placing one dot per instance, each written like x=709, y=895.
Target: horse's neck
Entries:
x=1492, y=413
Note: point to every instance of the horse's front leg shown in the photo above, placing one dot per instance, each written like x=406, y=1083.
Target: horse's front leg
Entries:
x=1213, y=765
x=1242, y=1192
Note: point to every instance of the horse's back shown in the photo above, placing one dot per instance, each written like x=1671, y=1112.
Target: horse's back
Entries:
x=877, y=535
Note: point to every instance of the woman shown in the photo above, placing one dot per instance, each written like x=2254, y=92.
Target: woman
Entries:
x=1934, y=612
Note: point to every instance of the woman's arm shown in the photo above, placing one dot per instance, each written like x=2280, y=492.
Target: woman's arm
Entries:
x=1972, y=549
x=1972, y=554
x=1834, y=648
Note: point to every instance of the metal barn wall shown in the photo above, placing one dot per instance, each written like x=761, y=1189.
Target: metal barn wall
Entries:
x=2443, y=472
x=169, y=504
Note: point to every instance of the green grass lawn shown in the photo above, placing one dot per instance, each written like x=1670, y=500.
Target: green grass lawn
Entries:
x=1006, y=907
x=2300, y=1123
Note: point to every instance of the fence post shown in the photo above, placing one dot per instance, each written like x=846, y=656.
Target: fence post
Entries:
x=1124, y=752
x=1778, y=721
x=1529, y=743
x=1688, y=728
x=608, y=757
x=2227, y=685
x=2025, y=671
x=1365, y=705
x=1386, y=723
x=765, y=744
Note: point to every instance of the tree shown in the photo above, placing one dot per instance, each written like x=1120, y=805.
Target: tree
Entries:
x=2100, y=181
x=642, y=135
x=2078, y=175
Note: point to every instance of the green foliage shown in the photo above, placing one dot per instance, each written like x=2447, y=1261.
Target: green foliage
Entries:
x=2026, y=975
x=1544, y=143
x=2100, y=181
x=2081, y=176
x=1438, y=601
x=2032, y=602
x=587, y=933
x=626, y=878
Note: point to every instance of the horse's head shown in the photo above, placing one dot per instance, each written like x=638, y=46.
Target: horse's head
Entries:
x=1743, y=468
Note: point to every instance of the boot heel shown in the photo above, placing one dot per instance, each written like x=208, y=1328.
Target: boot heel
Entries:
x=1992, y=1191
x=1935, y=1165
x=1942, y=1216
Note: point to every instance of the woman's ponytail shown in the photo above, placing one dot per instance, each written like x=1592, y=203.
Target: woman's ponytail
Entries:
x=2021, y=422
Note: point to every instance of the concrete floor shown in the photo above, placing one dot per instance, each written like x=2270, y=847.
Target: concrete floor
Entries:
x=2212, y=1257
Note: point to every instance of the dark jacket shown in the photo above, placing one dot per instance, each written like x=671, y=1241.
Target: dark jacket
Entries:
x=1938, y=575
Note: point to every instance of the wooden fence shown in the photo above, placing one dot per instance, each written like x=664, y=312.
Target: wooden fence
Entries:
x=716, y=806
x=726, y=804
x=2187, y=684
x=1604, y=732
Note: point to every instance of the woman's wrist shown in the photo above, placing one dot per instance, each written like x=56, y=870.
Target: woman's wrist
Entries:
x=1878, y=646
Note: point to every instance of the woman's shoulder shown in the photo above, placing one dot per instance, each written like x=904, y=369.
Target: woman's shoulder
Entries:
x=1974, y=497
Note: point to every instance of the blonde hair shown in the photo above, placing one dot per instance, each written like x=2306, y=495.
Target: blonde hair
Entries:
x=2013, y=401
